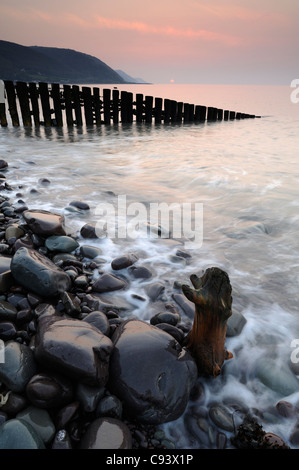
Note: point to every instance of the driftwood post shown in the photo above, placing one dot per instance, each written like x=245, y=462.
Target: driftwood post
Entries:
x=213, y=306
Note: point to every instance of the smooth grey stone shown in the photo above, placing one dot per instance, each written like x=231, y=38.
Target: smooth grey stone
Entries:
x=122, y=262
x=235, y=324
x=107, y=283
x=81, y=282
x=38, y=274
x=90, y=252
x=106, y=302
x=185, y=304
x=107, y=433
x=80, y=205
x=222, y=417
x=18, y=434
x=13, y=231
x=6, y=281
x=90, y=231
x=140, y=272
x=99, y=321
x=74, y=348
x=155, y=290
x=165, y=317
x=44, y=223
x=19, y=366
x=60, y=257
x=150, y=372
x=277, y=378
x=7, y=311
x=63, y=243
x=40, y=420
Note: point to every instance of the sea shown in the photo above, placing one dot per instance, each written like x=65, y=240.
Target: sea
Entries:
x=241, y=175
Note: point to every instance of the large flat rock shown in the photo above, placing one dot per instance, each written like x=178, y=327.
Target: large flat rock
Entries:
x=38, y=274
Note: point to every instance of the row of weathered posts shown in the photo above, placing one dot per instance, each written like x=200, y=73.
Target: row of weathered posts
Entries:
x=58, y=105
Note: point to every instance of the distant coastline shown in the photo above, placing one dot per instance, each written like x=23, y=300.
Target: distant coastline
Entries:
x=52, y=64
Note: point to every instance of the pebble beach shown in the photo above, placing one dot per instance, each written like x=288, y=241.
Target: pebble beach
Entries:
x=79, y=371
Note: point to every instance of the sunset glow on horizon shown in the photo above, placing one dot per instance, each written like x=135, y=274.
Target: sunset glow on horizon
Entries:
x=191, y=41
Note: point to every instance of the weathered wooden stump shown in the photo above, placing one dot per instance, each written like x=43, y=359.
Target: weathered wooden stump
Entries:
x=213, y=306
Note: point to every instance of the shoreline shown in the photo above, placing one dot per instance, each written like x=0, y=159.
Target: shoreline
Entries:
x=24, y=309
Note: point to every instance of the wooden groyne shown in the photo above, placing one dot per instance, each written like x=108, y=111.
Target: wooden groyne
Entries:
x=36, y=104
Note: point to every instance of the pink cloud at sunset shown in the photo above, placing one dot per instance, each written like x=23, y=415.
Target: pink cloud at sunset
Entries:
x=191, y=41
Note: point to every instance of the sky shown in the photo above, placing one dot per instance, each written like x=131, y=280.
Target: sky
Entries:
x=168, y=41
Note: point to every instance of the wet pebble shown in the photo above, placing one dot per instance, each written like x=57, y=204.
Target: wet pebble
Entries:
x=159, y=396
x=99, y=320
x=140, y=272
x=37, y=273
x=62, y=343
x=65, y=414
x=48, y=391
x=222, y=417
x=90, y=252
x=62, y=244
x=19, y=366
x=285, y=409
x=107, y=283
x=110, y=406
x=107, y=433
x=7, y=311
x=122, y=262
x=155, y=290
x=40, y=420
x=80, y=205
x=7, y=331
x=165, y=317
x=45, y=223
x=18, y=434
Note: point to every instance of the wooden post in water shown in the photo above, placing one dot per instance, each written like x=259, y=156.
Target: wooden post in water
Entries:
x=96, y=102
x=180, y=111
x=55, y=93
x=130, y=107
x=76, y=98
x=158, y=110
x=123, y=107
x=107, y=105
x=115, y=106
x=139, y=107
x=226, y=115
x=68, y=105
x=33, y=94
x=173, y=110
x=3, y=120
x=87, y=100
x=191, y=112
x=167, y=111
x=186, y=112
x=23, y=96
x=232, y=115
x=219, y=114
x=12, y=105
x=148, y=109
x=44, y=95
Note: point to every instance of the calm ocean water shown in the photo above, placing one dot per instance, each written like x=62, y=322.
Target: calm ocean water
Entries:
x=245, y=173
